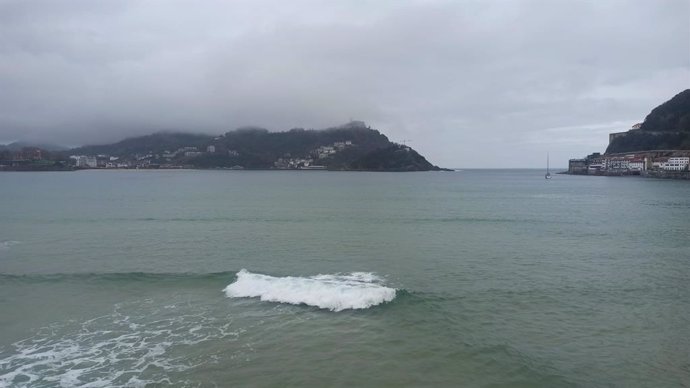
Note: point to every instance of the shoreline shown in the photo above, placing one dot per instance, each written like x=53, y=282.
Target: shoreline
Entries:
x=206, y=169
x=675, y=175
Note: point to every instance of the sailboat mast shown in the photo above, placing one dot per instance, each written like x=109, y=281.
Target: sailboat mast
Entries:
x=548, y=174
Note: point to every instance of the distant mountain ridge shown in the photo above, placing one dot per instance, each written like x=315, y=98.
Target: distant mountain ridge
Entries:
x=18, y=145
x=156, y=143
x=666, y=127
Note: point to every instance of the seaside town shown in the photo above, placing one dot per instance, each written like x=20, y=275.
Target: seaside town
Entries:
x=167, y=159
x=33, y=158
x=654, y=163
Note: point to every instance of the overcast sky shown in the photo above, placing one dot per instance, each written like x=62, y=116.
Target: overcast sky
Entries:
x=469, y=83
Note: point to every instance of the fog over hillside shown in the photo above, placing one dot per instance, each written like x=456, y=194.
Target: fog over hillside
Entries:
x=462, y=82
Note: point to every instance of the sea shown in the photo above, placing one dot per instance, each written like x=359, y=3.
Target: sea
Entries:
x=470, y=278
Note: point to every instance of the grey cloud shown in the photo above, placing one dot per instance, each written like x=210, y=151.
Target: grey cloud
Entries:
x=466, y=81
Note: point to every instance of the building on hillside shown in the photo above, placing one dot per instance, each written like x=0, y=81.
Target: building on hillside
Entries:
x=183, y=150
x=211, y=149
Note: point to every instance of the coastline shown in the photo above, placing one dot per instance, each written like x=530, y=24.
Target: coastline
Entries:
x=36, y=168
x=72, y=169
x=654, y=174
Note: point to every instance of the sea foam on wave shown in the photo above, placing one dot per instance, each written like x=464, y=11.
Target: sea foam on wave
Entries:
x=358, y=290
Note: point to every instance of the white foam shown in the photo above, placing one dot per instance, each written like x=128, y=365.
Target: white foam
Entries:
x=112, y=351
x=358, y=290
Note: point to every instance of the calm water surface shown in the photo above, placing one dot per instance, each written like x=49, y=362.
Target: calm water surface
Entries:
x=471, y=278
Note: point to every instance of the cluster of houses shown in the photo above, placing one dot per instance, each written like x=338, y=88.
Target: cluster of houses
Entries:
x=150, y=160
x=173, y=159
x=326, y=151
x=653, y=162
x=630, y=164
x=321, y=152
x=107, y=161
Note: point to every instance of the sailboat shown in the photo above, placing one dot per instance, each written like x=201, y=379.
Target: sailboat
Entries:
x=548, y=174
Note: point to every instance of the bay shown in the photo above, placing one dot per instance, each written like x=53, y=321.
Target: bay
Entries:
x=501, y=278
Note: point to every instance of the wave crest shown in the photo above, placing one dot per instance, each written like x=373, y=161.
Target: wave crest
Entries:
x=358, y=290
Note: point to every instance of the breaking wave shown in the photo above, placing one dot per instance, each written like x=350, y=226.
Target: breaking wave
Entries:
x=358, y=290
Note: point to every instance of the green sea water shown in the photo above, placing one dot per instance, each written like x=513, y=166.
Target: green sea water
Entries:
x=498, y=278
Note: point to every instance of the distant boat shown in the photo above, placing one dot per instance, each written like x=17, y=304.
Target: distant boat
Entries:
x=548, y=174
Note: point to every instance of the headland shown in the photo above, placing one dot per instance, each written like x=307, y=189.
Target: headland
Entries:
x=659, y=147
x=350, y=147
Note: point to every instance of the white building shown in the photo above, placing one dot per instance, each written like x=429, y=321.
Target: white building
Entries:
x=79, y=160
x=636, y=164
x=617, y=164
x=84, y=161
x=676, y=164
x=211, y=149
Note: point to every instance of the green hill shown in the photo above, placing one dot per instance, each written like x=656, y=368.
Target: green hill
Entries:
x=393, y=158
x=671, y=116
x=667, y=127
x=259, y=148
x=352, y=146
